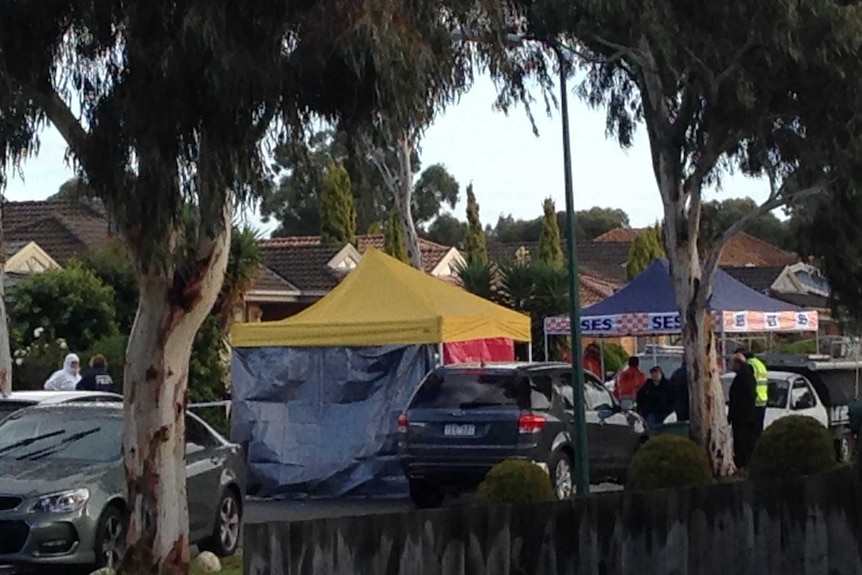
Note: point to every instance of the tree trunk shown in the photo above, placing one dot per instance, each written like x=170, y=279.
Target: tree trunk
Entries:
x=404, y=203
x=709, y=427
x=5, y=341
x=170, y=312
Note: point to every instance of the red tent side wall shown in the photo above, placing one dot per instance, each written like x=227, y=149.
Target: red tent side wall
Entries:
x=496, y=349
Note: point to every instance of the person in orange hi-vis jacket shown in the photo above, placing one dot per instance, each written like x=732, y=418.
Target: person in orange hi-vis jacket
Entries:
x=593, y=360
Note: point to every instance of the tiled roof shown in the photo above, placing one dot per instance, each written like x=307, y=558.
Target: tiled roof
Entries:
x=755, y=277
x=746, y=250
x=303, y=265
x=604, y=260
x=432, y=253
x=271, y=281
x=593, y=290
x=743, y=249
x=619, y=235
x=63, y=228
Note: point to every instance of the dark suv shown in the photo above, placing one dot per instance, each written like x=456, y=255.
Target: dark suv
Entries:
x=462, y=420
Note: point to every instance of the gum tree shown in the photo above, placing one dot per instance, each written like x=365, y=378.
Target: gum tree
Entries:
x=763, y=88
x=167, y=109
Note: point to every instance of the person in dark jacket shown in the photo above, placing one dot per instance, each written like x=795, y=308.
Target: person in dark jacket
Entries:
x=96, y=378
x=742, y=413
x=654, y=401
x=680, y=394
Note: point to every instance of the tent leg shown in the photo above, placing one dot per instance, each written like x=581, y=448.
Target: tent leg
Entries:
x=546, y=347
x=440, y=361
x=602, y=360
x=530, y=350
x=817, y=341
x=723, y=352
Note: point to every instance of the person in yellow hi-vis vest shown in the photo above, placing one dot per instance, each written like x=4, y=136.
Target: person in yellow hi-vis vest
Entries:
x=762, y=389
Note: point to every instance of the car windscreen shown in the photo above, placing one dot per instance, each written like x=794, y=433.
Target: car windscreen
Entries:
x=472, y=389
x=9, y=407
x=54, y=435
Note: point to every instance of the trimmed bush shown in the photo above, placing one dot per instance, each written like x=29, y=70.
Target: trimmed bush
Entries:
x=668, y=461
x=792, y=446
x=515, y=481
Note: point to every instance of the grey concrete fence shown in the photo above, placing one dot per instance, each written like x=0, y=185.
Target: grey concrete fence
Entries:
x=806, y=526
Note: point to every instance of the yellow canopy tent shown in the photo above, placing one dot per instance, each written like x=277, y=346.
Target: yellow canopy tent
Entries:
x=386, y=302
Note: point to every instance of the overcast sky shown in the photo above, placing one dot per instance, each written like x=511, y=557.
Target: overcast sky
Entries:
x=512, y=170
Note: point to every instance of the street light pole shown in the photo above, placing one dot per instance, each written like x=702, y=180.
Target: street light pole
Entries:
x=582, y=459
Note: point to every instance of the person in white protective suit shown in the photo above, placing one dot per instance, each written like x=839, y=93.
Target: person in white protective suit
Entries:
x=65, y=379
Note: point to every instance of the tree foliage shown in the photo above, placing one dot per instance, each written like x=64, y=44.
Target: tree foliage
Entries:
x=302, y=164
x=474, y=240
x=717, y=97
x=647, y=246
x=110, y=263
x=337, y=211
x=550, y=243
x=70, y=304
x=720, y=215
x=447, y=230
x=165, y=108
x=591, y=224
x=393, y=238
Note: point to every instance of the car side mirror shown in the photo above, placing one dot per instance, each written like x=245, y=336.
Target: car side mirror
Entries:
x=605, y=411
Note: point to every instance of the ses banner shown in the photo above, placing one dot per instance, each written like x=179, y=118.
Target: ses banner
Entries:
x=614, y=325
x=631, y=324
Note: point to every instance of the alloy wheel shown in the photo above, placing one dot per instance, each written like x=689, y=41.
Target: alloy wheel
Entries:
x=563, y=480
x=113, y=543
x=229, y=523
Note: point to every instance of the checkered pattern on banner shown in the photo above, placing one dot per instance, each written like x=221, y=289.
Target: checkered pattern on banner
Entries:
x=558, y=325
x=632, y=324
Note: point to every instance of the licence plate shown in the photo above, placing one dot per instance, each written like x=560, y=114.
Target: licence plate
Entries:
x=459, y=430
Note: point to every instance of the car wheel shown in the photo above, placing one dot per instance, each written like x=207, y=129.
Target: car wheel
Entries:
x=843, y=450
x=424, y=495
x=224, y=540
x=110, y=538
x=562, y=475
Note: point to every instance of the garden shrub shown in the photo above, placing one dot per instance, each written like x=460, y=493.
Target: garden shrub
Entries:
x=615, y=357
x=515, y=481
x=668, y=461
x=792, y=446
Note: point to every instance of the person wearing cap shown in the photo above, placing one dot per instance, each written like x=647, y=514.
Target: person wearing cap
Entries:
x=654, y=401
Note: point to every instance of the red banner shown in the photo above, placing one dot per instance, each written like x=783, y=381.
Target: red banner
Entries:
x=497, y=349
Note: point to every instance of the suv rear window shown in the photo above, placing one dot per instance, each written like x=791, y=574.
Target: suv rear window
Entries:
x=451, y=389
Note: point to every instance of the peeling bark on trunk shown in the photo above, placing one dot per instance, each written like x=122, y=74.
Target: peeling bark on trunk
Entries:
x=692, y=289
x=404, y=203
x=5, y=342
x=170, y=312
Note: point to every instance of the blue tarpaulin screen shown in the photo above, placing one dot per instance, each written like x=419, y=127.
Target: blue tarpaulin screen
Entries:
x=322, y=422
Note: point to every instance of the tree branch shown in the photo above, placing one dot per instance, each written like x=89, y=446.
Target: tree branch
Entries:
x=779, y=196
x=63, y=119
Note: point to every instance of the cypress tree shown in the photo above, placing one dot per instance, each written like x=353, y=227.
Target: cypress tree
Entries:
x=393, y=238
x=474, y=240
x=550, y=245
x=337, y=210
x=646, y=247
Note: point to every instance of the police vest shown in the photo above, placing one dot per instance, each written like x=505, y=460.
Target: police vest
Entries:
x=760, y=376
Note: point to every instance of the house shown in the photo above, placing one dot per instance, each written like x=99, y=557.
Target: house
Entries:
x=61, y=228
x=24, y=258
x=605, y=262
x=301, y=269
x=743, y=249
